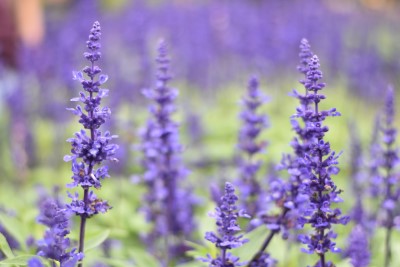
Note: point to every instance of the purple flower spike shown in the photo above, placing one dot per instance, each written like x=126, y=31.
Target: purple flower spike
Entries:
x=389, y=161
x=252, y=126
x=165, y=173
x=358, y=250
x=318, y=165
x=226, y=216
x=55, y=244
x=90, y=146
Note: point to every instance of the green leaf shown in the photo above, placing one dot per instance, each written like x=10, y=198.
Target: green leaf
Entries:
x=256, y=238
x=198, y=250
x=115, y=262
x=19, y=260
x=5, y=248
x=15, y=228
x=96, y=239
x=143, y=259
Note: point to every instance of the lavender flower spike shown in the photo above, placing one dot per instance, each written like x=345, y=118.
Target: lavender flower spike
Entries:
x=165, y=173
x=252, y=125
x=321, y=161
x=226, y=216
x=55, y=244
x=390, y=160
x=90, y=149
x=358, y=250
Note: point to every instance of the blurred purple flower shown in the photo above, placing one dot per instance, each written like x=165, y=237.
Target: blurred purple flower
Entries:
x=164, y=172
x=252, y=126
x=358, y=250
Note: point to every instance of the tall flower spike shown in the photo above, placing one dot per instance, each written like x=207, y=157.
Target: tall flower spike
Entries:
x=390, y=161
x=252, y=126
x=358, y=250
x=90, y=149
x=358, y=213
x=288, y=195
x=321, y=161
x=168, y=203
x=226, y=215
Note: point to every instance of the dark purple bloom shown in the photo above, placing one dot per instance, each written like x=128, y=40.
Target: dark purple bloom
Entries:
x=320, y=164
x=252, y=126
x=288, y=194
x=55, y=245
x=164, y=171
x=358, y=250
x=226, y=216
x=92, y=148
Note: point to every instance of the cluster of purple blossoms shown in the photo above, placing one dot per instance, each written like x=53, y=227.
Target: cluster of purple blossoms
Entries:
x=164, y=172
x=287, y=195
x=90, y=149
x=226, y=216
x=320, y=166
x=55, y=244
x=252, y=126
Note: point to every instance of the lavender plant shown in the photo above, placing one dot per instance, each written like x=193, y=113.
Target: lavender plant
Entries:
x=358, y=213
x=320, y=161
x=253, y=124
x=358, y=242
x=390, y=160
x=226, y=216
x=358, y=250
x=287, y=195
x=89, y=151
x=164, y=172
x=55, y=245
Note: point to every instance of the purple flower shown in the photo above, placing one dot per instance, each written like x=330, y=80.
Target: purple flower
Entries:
x=90, y=147
x=375, y=162
x=320, y=164
x=55, y=245
x=226, y=216
x=388, y=188
x=164, y=171
x=358, y=249
x=252, y=126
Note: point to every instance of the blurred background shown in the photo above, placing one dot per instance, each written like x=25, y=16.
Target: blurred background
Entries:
x=215, y=45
